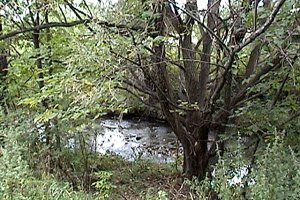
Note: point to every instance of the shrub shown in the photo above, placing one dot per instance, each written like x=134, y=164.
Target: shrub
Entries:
x=275, y=175
x=103, y=185
x=18, y=180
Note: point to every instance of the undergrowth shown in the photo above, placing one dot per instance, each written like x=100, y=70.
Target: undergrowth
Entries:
x=275, y=174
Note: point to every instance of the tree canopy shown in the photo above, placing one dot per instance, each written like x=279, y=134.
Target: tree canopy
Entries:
x=209, y=73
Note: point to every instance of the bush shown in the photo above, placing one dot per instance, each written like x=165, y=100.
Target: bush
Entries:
x=275, y=175
x=17, y=179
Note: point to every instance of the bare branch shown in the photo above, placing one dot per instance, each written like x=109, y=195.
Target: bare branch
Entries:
x=76, y=10
x=256, y=79
x=88, y=8
x=206, y=49
x=278, y=93
x=63, y=14
x=140, y=88
x=250, y=39
x=262, y=29
x=69, y=24
x=204, y=26
x=174, y=19
x=41, y=27
x=253, y=59
x=276, y=62
x=125, y=58
x=138, y=97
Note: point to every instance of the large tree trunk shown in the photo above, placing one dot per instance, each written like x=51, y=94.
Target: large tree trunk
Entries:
x=196, y=158
x=191, y=132
x=195, y=164
x=194, y=139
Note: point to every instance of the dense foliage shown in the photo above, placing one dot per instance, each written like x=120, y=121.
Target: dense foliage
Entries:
x=230, y=70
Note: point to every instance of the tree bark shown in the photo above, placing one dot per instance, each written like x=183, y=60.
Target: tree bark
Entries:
x=191, y=132
x=3, y=71
x=196, y=158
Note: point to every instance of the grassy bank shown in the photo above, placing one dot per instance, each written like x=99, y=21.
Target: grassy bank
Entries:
x=140, y=179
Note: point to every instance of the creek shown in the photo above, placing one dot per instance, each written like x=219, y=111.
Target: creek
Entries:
x=136, y=139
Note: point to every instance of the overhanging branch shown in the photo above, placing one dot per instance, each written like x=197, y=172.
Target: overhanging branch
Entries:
x=204, y=26
x=70, y=24
x=262, y=29
x=41, y=27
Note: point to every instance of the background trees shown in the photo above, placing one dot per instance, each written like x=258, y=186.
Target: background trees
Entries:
x=209, y=73
x=57, y=82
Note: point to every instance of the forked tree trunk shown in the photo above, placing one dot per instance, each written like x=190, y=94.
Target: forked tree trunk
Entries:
x=194, y=140
x=196, y=158
x=195, y=164
x=193, y=128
